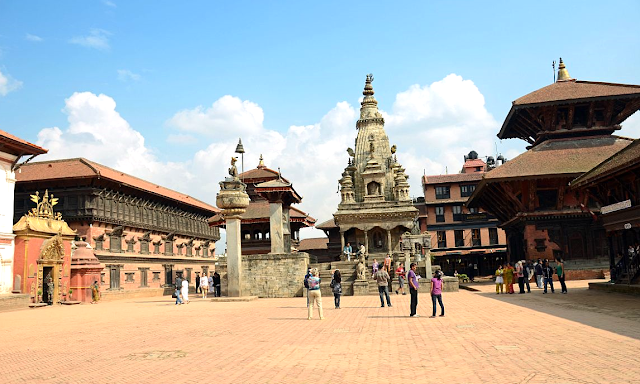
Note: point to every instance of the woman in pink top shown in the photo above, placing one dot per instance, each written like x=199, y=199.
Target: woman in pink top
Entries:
x=436, y=293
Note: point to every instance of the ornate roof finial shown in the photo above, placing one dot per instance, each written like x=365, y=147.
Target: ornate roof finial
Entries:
x=368, y=88
x=563, y=74
x=261, y=163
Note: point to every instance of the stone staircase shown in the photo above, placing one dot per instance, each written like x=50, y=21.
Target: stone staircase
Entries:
x=348, y=271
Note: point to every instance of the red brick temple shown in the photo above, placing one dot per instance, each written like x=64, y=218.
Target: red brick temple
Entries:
x=569, y=126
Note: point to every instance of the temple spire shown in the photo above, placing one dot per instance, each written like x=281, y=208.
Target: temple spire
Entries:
x=261, y=163
x=563, y=73
x=369, y=105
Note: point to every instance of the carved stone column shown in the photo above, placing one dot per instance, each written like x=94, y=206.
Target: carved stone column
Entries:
x=233, y=200
x=366, y=242
x=342, y=244
x=276, y=228
x=389, y=245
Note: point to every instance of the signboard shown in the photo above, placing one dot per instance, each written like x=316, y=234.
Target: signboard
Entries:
x=476, y=217
x=615, y=207
x=627, y=226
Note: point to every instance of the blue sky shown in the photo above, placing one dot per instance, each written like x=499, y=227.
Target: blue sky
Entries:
x=181, y=81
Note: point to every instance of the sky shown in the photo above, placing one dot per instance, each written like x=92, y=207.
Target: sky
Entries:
x=163, y=90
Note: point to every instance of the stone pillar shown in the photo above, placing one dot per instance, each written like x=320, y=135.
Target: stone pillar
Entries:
x=233, y=200
x=366, y=242
x=389, y=245
x=286, y=228
x=342, y=244
x=275, y=225
x=234, y=257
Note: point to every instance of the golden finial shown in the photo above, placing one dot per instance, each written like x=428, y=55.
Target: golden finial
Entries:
x=261, y=163
x=563, y=74
x=44, y=206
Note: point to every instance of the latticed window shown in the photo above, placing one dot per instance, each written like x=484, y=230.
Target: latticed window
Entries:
x=442, y=239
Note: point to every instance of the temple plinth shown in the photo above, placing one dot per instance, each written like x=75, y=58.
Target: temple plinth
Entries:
x=280, y=195
x=233, y=200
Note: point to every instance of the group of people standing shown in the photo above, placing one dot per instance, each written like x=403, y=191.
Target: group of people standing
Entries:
x=524, y=270
x=383, y=279
x=203, y=283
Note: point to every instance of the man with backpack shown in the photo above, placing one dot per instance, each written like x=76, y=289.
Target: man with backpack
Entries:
x=306, y=283
x=538, y=273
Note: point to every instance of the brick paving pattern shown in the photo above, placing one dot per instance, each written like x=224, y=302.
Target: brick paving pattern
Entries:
x=582, y=337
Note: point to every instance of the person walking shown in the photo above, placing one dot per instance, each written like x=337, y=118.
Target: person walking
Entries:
x=382, y=278
x=528, y=272
x=413, y=289
x=177, y=295
x=436, y=294
x=520, y=275
x=401, y=276
x=314, y=294
x=306, y=283
x=499, y=280
x=216, y=283
x=204, y=285
x=547, y=274
x=387, y=263
x=185, y=291
x=336, y=286
x=197, y=282
x=95, y=292
x=538, y=273
x=211, y=289
x=508, y=278
x=560, y=272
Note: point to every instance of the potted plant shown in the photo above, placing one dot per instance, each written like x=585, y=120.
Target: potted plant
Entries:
x=39, y=295
x=70, y=292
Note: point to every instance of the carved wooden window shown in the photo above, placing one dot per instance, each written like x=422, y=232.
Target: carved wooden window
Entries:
x=442, y=239
x=115, y=243
x=493, y=236
x=129, y=277
x=99, y=242
x=439, y=214
x=168, y=248
x=443, y=192
x=156, y=276
x=144, y=246
x=189, y=250
x=156, y=248
x=540, y=245
x=114, y=276
x=475, y=237
x=459, y=236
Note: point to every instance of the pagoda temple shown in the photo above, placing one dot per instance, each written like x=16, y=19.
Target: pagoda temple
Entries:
x=375, y=207
x=569, y=126
x=271, y=195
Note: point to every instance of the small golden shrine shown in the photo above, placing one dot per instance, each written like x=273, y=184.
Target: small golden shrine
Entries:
x=43, y=251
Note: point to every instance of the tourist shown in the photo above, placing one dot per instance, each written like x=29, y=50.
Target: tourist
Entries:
x=306, y=283
x=560, y=272
x=95, y=292
x=538, y=273
x=436, y=294
x=520, y=275
x=528, y=273
x=508, y=278
x=336, y=286
x=210, y=281
x=387, y=263
x=413, y=289
x=401, y=276
x=347, y=251
x=547, y=274
x=185, y=291
x=204, y=285
x=179, y=281
x=374, y=267
x=361, y=250
x=177, y=295
x=197, y=282
x=499, y=279
x=216, y=284
x=382, y=278
x=314, y=294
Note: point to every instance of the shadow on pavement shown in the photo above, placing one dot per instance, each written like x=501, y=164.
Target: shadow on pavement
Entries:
x=578, y=305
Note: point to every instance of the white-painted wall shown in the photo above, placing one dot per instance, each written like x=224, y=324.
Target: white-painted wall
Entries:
x=7, y=245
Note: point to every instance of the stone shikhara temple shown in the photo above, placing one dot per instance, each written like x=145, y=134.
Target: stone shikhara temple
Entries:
x=375, y=207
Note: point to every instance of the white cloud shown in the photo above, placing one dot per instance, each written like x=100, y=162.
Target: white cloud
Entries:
x=33, y=38
x=8, y=84
x=630, y=127
x=433, y=126
x=182, y=139
x=126, y=75
x=97, y=38
x=227, y=117
x=109, y=3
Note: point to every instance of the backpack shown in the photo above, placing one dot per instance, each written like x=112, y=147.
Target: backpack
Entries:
x=306, y=281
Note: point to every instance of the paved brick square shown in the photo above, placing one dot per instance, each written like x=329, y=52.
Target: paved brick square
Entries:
x=581, y=337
